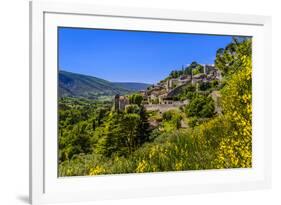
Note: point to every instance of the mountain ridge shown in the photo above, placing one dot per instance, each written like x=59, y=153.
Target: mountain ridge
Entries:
x=81, y=85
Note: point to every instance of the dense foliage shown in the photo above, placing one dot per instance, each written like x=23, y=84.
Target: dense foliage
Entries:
x=194, y=68
x=94, y=139
x=200, y=106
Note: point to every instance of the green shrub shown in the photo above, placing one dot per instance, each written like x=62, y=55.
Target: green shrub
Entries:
x=172, y=120
x=200, y=106
x=136, y=99
x=132, y=108
x=204, y=86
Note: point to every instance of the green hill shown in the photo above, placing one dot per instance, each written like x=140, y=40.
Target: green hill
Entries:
x=132, y=86
x=79, y=85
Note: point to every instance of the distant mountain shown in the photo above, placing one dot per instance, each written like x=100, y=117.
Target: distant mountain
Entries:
x=79, y=85
x=132, y=86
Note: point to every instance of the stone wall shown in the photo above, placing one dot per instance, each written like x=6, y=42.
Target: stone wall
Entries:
x=165, y=107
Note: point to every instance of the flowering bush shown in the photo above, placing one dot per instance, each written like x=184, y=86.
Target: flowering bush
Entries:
x=235, y=150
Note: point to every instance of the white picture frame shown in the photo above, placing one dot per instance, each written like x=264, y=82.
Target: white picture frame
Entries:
x=46, y=187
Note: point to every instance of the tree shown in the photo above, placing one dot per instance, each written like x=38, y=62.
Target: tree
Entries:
x=82, y=141
x=111, y=140
x=132, y=108
x=136, y=99
x=124, y=132
x=204, y=86
x=143, y=127
x=130, y=125
x=75, y=141
x=229, y=59
x=195, y=71
x=200, y=106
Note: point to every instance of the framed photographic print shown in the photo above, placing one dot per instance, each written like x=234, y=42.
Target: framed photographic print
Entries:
x=129, y=102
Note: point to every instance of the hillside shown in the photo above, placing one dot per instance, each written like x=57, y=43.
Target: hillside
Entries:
x=194, y=119
x=78, y=85
x=132, y=86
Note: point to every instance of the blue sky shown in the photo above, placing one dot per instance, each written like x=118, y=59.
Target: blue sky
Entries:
x=132, y=56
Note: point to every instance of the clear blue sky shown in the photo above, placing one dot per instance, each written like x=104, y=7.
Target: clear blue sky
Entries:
x=130, y=56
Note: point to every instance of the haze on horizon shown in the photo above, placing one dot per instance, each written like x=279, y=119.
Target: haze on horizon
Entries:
x=133, y=56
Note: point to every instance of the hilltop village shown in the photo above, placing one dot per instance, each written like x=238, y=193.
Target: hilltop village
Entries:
x=163, y=95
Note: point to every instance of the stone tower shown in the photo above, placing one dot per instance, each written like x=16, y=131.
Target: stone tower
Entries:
x=116, y=102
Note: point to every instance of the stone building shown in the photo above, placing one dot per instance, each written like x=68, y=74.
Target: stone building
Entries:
x=175, y=82
x=120, y=102
x=163, y=92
